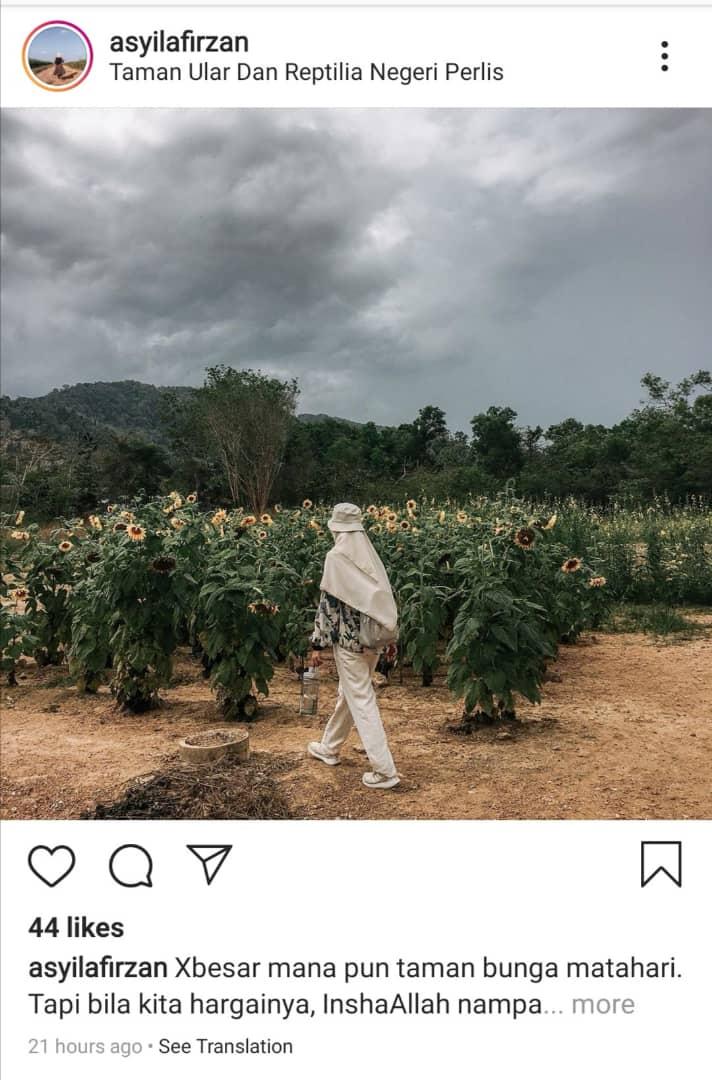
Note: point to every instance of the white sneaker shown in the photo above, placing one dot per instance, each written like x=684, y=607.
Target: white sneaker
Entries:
x=317, y=750
x=378, y=780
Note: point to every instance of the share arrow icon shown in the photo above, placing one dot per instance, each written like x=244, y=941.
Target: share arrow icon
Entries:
x=212, y=856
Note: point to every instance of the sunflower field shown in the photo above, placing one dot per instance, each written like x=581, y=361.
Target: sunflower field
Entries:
x=486, y=591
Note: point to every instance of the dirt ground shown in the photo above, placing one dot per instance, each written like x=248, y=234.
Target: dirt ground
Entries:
x=624, y=731
x=47, y=75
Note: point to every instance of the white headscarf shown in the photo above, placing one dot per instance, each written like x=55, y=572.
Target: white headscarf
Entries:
x=354, y=573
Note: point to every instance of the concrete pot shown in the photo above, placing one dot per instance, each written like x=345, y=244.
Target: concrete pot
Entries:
x=214, y=745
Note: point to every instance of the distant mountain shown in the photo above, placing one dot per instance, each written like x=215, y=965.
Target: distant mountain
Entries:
x=119, y=407
x=101, y=409
x=320, y=418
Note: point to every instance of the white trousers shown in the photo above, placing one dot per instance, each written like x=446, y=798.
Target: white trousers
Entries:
x=356, y=704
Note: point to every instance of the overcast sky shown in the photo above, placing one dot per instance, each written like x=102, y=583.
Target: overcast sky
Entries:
x=387, y=258
x=57, y=41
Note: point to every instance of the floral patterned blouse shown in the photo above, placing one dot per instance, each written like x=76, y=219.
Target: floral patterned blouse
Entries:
x=336, y=624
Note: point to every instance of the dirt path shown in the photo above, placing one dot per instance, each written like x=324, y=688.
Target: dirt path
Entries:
x=47, y=75
x=626, y=733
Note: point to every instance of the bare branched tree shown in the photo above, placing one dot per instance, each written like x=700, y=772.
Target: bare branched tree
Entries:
x=21, y=457
x=248, y=416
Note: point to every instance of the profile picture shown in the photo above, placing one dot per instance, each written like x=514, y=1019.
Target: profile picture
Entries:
x=57, y=55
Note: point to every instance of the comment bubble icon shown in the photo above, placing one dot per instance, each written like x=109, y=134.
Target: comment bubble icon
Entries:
x=131, y=866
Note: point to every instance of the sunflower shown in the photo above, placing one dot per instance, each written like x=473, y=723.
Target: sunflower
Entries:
x=404, y=526
x=551, y=522
x=372, y=510
x=19, y=534
x=219, y=517
x=263, y=607
x=524, y=538
x=164, y=564
x=192, y=498
x=307, y=504
x=95, y=521
x=376, y=528
x=126, y=515
x=391, y=515
x=66, y=545
x=110, y=508
x=262, y=534
x=120, y=526
x=314, y=524
x=415, y=530
x=250, y=519
x=461, y=516
x=266, y=519
x=19, y=594
x=177, y=522
x=597, y=582
x=136, y=532
x=571, y=565
x=391, y=526
x=411, y=505
x=20, y=517
x=278, y=508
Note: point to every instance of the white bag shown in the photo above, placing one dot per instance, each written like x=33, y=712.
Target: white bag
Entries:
x=374, y=636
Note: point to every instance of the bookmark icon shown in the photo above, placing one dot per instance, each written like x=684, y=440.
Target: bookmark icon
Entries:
x=661, y=857
x=211, y=856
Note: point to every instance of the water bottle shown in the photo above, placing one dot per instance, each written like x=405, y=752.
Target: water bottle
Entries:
x=309, y=697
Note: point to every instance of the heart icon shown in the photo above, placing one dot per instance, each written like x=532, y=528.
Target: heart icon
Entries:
x=51, y=865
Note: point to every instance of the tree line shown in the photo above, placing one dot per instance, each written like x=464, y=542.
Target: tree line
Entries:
x=237, y=440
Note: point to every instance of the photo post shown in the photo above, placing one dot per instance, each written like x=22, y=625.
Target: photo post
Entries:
x=356, y=621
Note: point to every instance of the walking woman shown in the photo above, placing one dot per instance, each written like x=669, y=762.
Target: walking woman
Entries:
x=356, y=615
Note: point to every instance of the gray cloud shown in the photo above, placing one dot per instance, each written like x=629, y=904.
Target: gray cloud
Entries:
x=387, y=258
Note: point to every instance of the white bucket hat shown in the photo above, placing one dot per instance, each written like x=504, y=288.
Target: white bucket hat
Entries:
x=345, y=517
